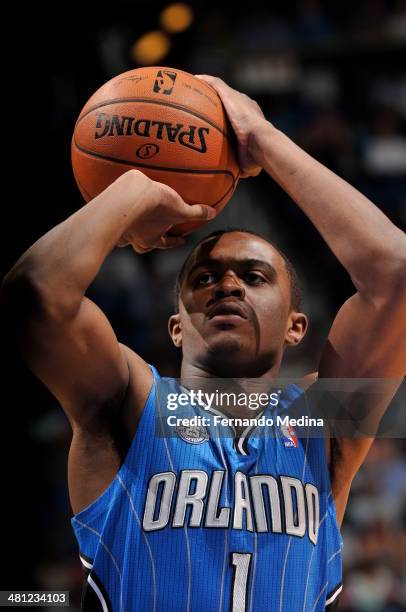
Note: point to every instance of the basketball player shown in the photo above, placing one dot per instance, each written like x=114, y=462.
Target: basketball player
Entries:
x=202, y=522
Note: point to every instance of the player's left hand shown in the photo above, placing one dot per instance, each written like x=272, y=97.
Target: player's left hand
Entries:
x=245, y=116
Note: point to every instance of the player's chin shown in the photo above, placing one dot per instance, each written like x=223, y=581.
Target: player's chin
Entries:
x=230, y=354
x=229, y=339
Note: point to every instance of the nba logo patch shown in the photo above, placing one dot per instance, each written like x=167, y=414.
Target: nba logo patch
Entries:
x=289, y=436
x=193, y=435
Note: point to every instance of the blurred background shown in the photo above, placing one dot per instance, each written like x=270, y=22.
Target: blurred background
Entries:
x=332, y=76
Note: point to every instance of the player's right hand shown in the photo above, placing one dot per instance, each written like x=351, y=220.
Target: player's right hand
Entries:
x=245, y=116
x=158, y=208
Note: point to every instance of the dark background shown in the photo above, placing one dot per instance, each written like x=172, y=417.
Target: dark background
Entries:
x=332, y=76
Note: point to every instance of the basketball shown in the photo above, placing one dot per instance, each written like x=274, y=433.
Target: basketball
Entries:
x=165, y=123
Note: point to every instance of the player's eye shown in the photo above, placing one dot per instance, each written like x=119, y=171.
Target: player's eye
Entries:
x=206, y=278
x=253, y=278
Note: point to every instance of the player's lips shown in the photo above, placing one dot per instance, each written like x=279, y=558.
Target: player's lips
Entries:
x=229, y=311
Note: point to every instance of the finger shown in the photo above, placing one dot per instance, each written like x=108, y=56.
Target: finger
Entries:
x=206, y=77
x=247, y=170
x=170, y=242
x=140, y=249
x=197, y=212
x=211, y=80
x=218, y=84
x=170, y=196
x=251, y=172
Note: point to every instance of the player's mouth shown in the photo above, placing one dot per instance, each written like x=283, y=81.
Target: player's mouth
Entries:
x=227, y=313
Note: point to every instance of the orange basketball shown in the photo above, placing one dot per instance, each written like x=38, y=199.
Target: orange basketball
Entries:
x=164, y=122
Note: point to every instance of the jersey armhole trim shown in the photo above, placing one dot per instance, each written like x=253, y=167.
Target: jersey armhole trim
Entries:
x=94, y=595
x=332, y=597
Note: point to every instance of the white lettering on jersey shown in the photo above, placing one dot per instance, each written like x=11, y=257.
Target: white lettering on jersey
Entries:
x=168, y=480
x=260, y=497
x=185, y=498
x=295, y=513
x=257, y=487
x=242, y=502
x=214, y=518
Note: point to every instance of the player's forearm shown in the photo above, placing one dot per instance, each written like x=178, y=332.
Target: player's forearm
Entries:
x=60, y=266
x=364, y=240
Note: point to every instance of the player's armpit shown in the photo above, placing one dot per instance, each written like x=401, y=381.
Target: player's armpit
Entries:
x=78, y=358
x=366, y=342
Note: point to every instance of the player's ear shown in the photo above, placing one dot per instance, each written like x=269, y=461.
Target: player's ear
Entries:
x=175, y=329
x=296, y=329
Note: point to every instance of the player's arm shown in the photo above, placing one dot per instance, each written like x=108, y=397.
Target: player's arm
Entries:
x=65, y=338
x=367, y=336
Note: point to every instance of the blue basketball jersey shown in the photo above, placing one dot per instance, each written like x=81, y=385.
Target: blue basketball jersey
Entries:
x=199, y=521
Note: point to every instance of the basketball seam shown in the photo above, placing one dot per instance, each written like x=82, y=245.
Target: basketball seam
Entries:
x=151, y=167
x=232, y=187
x=158, y=102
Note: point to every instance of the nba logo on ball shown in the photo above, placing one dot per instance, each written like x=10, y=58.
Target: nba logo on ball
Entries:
x=164, y=82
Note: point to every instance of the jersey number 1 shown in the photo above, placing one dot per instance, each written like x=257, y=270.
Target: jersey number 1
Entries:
x=241, y=563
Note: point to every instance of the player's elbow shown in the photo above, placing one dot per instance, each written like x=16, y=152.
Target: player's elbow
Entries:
x=19, y=293
x=395, y=276
x=384, y=278
x=24, y=296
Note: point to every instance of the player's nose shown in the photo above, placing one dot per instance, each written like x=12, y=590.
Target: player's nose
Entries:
x=229, y=285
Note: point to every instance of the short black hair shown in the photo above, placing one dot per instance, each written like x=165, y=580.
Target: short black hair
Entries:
x=295, y=288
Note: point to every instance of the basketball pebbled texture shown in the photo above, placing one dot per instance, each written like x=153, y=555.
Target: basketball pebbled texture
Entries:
x=164, y=122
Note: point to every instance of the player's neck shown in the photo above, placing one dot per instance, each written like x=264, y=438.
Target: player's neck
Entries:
x=232, y=396
x=191, y=370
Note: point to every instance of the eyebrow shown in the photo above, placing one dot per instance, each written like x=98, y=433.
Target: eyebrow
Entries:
x=251, y=263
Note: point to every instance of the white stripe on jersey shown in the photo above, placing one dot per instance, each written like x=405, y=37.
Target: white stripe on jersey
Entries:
x=223, y=572
x=98, y=593
x=290, y=537
x=319, y=595
x=145, y=538
x=106, y=548
x=85, y=563
x=311, y=559
x=189, y=561
x=334, y=595
x=337, y=552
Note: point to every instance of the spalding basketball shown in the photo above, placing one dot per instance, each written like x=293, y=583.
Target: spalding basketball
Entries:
x=164, y=122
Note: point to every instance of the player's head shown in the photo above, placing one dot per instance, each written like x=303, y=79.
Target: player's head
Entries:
x=238, y=305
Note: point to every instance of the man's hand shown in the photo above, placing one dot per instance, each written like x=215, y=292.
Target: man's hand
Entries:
x=245, y=117
x=159, y=208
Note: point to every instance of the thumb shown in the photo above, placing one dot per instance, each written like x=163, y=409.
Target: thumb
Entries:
x=198, y=212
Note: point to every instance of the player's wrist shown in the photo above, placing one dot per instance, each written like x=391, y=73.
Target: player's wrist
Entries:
x=136, y=194
x=261, y=131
